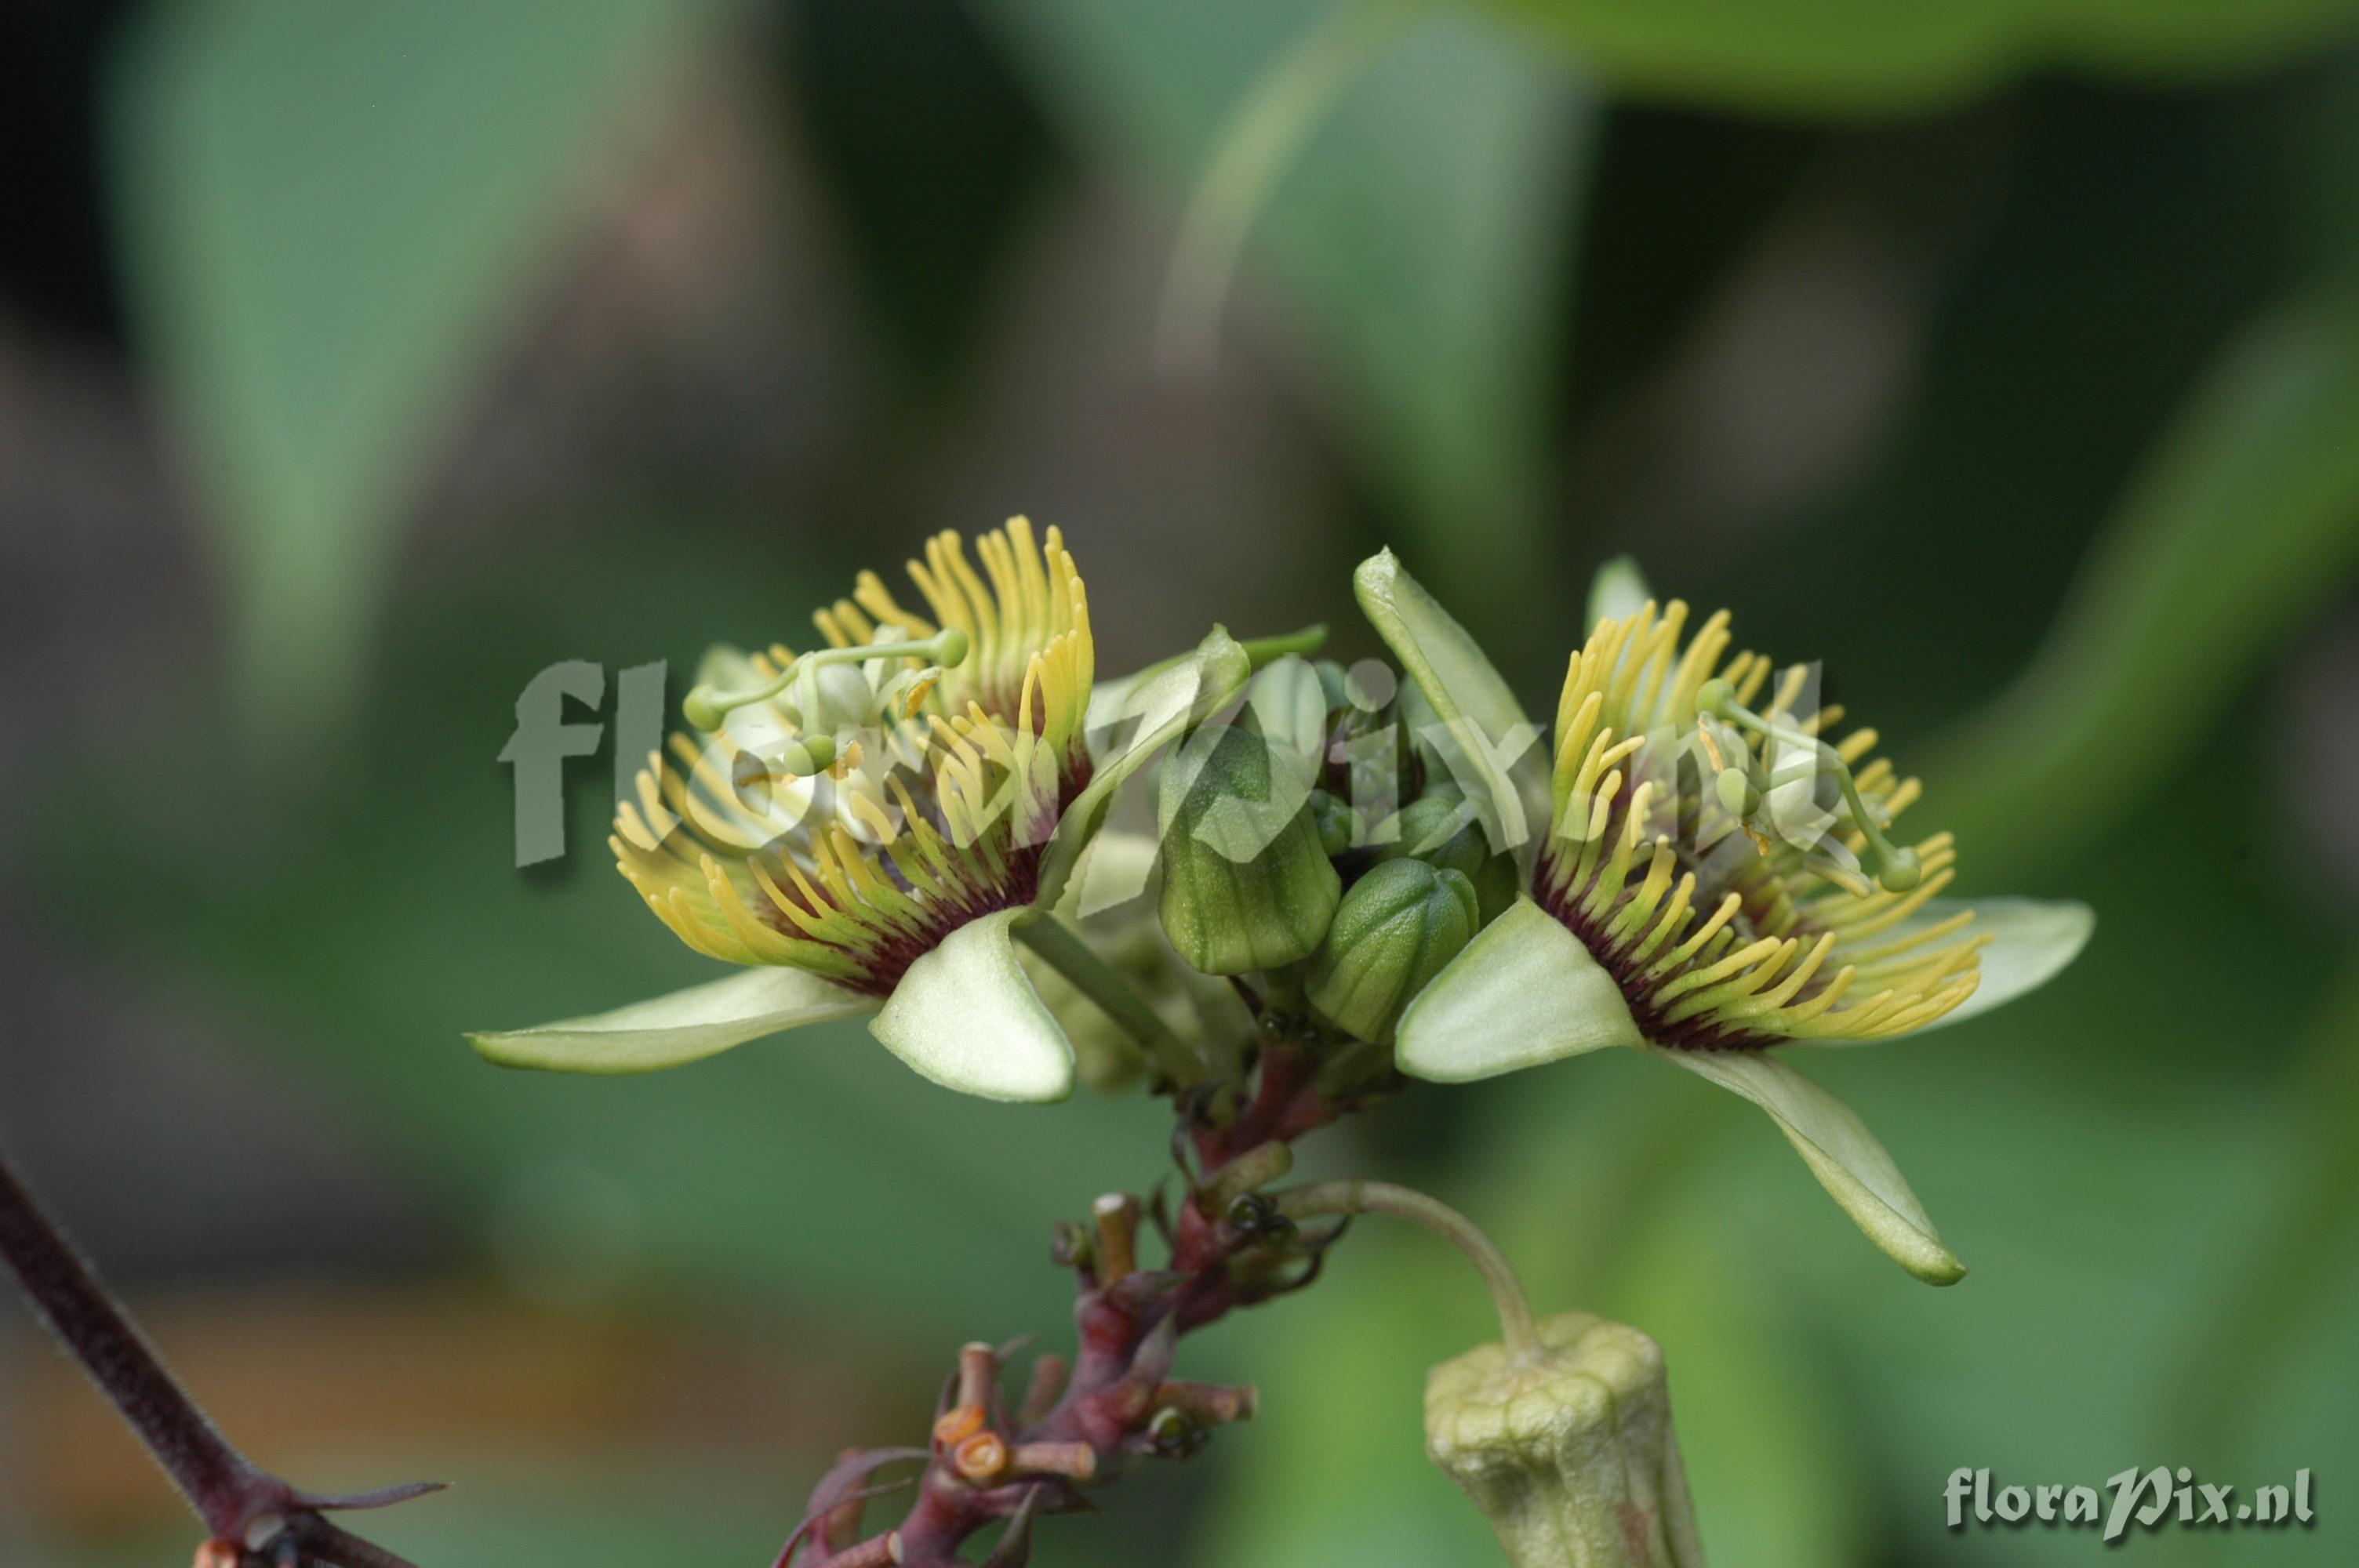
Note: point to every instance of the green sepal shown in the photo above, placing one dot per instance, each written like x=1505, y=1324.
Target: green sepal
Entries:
x=2030, y=941
x=1619, y=590
x=1523, y=992
x=673, y=1030
x=1489, y=746
x=1840, y=1152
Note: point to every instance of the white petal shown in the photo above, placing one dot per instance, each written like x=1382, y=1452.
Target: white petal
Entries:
x=1845, y=1157
x=1145, y=711
x=685, y=1026
x=2031, y=940
x=966, y=1016
x=1523, y=992
x=1495, y=752
x=1618, y=589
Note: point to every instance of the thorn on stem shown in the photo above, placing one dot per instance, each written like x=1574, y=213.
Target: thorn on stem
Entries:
x=1015, y=1546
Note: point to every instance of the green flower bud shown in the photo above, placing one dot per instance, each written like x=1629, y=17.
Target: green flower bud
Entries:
x=1570, y=1454
x=1246, y=884
x=1338, y=824
x=1399, y=925
x=1441, y=829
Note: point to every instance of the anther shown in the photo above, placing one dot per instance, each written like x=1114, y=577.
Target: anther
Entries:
x=706, y=707
x=1736, y=792
x=1897, y=867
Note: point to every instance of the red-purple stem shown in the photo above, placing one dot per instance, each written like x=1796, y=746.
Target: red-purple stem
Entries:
x=985, y=1465
x=229, y=1493
x=67, y=1297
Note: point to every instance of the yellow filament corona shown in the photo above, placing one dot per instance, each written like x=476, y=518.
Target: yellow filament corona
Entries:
x=933, y=816
x=1727, y=932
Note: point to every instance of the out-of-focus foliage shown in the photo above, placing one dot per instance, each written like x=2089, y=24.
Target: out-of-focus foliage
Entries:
x=1847, y=56
x=2236, y=532
x=1415, y=198
x=331, y=209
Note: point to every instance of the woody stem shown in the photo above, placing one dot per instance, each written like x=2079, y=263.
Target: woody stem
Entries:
x=66, y=1296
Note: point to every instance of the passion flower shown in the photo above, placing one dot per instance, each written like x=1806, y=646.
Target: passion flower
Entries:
x=1707, y=876
x=869, y=824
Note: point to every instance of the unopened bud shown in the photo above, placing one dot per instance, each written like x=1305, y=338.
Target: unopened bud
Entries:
x=1338, y=824
x=1246, y=884
x=1569, y=1454
x=1396, y=929
x=1441, y=829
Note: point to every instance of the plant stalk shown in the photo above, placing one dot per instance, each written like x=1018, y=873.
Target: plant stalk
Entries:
x=69, y=1299
x=1356, y=1197
x=1070, y=956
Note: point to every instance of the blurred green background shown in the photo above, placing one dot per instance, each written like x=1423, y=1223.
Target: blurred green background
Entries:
x=358, y=361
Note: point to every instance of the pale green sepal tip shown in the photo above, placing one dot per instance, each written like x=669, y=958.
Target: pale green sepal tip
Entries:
x=1618, y=591
x=1157, y=705
x=671, y=1031
x=2031, y=941
x=966, y=1016
x=1474, y=701
x=1840, y=1152
x=1523, y=992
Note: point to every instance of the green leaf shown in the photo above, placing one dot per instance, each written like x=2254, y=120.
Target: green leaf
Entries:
x=331, y=210
x=966, y=1016
x=1525, y=992
x=1495, y=753
x=2238, y=532
x=1840, y=1152
x=1412, y=202
x=672, y=1030
x=1886, y=55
